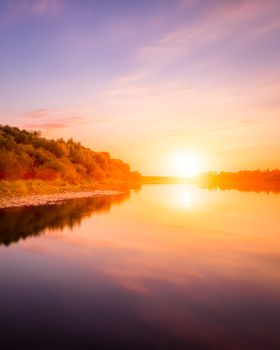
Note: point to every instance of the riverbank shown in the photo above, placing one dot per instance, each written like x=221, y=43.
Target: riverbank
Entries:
x=50, y=199
x=35, y=192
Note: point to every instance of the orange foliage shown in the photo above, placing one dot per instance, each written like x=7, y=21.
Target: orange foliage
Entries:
x=27, y=155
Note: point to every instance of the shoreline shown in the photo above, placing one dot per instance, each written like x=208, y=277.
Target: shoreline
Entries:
x=31, y=200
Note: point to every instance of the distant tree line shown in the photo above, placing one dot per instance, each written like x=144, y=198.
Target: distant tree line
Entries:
x=243, y=176
x=28, y=155
x=246, y=180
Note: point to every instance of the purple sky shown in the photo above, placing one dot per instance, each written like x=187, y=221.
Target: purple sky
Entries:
x=145, y=79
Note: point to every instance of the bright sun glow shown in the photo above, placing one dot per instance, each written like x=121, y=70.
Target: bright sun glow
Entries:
x=186, y=164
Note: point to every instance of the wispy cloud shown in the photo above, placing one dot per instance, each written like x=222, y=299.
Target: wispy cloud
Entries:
x=48, y=119
x=231, y=26
x=201, y=128
x=59, y=124
x=38, y=114
x=52, y=119
x=240, y=19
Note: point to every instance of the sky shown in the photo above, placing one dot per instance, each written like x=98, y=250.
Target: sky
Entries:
x=147, y=80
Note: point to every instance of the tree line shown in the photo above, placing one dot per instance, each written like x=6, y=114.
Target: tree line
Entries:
x=254, y=176
x=27, y=155
x=245, y=180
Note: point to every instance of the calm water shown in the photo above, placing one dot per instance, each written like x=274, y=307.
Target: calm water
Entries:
x=171, y=267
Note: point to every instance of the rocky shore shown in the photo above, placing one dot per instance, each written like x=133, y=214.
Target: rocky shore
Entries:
x=49, y=199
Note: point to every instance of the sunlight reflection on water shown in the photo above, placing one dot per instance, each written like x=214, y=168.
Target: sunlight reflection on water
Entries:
x=173, y=267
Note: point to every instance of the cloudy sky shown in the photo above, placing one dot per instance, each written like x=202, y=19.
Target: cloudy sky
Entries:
x=146, y=79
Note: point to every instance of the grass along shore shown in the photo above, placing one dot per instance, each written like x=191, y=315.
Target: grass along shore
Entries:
x=31, y=187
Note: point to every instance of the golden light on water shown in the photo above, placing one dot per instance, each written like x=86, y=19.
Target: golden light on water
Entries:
x=183, y=197
x=186, y=199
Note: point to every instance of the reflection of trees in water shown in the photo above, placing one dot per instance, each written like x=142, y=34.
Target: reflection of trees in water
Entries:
x=246, y=180
x=245, y=187
x=20, y=223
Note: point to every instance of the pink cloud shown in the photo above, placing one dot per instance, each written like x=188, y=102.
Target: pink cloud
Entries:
x=46, y=126
x=53, y=118
x=57, y=124
x=37, y=114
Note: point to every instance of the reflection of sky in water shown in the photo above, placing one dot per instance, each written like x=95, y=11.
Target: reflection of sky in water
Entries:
x=174, y=267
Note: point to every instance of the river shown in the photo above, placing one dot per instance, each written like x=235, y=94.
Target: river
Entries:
x=166, y=267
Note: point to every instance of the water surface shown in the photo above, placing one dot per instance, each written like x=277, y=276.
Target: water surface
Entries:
x=170, y=267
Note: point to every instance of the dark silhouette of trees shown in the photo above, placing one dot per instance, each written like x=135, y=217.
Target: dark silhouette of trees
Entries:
x=20, y=223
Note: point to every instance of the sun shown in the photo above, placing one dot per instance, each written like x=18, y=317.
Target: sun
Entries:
x=186, y=164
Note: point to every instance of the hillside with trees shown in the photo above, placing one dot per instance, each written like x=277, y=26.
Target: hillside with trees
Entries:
x=26, y=155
